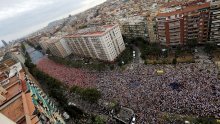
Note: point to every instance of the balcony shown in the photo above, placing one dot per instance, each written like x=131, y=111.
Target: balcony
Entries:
x=161, y=28
x=174, y=26
x=217, y=12
x=160, y=25
x=216, y=21
x=174, y=44
x=174, y=31
x=193, y=31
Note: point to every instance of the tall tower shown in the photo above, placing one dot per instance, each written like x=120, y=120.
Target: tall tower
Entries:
x=5, y=44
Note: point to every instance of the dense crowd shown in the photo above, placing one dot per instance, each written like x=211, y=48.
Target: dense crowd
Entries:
x=184, y=89
x=70, y=76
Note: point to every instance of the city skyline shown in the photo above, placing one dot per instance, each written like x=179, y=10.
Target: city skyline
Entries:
x=20, y=18
x=122, y=61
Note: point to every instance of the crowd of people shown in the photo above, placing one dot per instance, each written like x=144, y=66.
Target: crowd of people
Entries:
x=67, y=75
x=184, y=89
x=151, y=95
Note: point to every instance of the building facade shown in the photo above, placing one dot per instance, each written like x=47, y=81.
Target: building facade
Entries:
x=134, y=27
x=102, y=42
x=152, y=30
x=44, y=43
x=21, y=99
x=215, y=21
x=183, y=22
x=57, y=46
x=15, y=101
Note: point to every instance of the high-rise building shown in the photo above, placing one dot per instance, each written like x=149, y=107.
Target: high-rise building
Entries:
x=215, y=21
x=177, y=24
x=44, y=43
x=134, y=27
x=58, y=47
x=102, y=42
x=5, y=44
x=152, y=29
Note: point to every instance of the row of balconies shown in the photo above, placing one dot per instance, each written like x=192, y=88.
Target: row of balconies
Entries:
x=174, y=31
x=192, y=34
x=161, y=28
x=213, y=26
x=216, y=29
x=216, y=21
x=215, y=36
x=215, y=6
x=175, y=44
x=216, y=12
x=190, y=27
x=192, y=31
x=174, y=38
x=174, y=26
x=161, y=31
x=191, y=20
x=161, y=25
x=195, y=37
x=215, y=33
x=175, y=41
x=215, y=18
x=163, y=35
x=174, y=34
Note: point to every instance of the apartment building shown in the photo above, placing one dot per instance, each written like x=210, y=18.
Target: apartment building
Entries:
x=183, y=22
x=44, y=43
x=21, y=100
x=133, y=27
x=101, y=42
x=215, y=21
x=15, y=101
x=57, y=46
x=151, y=26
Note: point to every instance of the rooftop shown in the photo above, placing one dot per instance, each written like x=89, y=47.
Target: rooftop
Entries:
x=14, y=110
x=3, y=76
x=132, y=20
x=29, y=109
x=180, y=10
x=12, y=81
x=92, y=31
x=12, y=90
x=4, y=65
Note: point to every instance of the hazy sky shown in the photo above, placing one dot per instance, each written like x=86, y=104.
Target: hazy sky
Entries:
x=22, y=17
